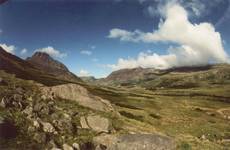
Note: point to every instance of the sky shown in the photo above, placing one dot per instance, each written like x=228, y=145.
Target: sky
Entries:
x=96, y=37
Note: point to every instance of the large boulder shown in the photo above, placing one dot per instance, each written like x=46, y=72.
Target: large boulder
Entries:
x=96, y=123
x=79, y=94
x=134, y=142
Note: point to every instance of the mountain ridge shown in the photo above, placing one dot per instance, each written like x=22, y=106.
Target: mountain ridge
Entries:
x=30, y=71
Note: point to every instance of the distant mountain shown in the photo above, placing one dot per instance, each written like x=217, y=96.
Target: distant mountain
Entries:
x=89, y=79
x=30, y=71
x=183, y=77
x=46, y=63
x=127, y=76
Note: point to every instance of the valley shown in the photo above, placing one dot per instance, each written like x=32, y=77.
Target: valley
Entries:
x=164, y=109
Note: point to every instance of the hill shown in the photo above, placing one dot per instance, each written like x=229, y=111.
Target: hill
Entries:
x=181, y=77
x=29, y=71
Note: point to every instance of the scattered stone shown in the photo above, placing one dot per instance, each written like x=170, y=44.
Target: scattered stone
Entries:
x=47, y=127
x=76, y=146
x=28, y=110
x=43, y=97
x=41, y=108
x=55, y=148
x=67, y=147
x=36, y=124
x=39, y=137
x=203, y=137
x=19, y=90
x=83, y=122
x=3, y=103
x=98, y=123
x=31, y=129
x=227, y=117
x=134, y=142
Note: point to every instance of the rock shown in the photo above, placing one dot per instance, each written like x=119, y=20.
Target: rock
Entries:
x=41, y=108
x=67, y=147
x=36, y=124
x=28, y=111
x=76, y=146
x=43, y=97
x=134, y=142
x=55, y=148
x=31, y=129
x=98, y=123
x=83, y=122
x=39, y=137
x=3, y=103
x=63, y=122
x=19, y=90
x=47, y=127
x=77, y=93
x=203, y=137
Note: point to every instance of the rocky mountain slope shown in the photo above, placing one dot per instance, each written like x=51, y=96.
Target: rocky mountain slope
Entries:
x=45, y=112
x=29, y=71
x=44, y=62
x=64, y=117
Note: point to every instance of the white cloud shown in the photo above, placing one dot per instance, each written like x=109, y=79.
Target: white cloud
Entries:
x=86, y=52
x=8, y=48
x=52, y=52
x=23, y=51
x=199, y=43
x=83, y=73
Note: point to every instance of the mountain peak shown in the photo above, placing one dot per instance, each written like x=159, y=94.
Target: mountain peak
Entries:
x=44, y=60
x=41, y=55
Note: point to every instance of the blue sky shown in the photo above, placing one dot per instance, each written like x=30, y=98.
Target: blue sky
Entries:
x=79, y=29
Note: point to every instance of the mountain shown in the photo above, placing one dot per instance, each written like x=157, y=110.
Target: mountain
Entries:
x=183, y=77
x=46, y=63
x=29, y=71
x=128, y=76
x=89, y=79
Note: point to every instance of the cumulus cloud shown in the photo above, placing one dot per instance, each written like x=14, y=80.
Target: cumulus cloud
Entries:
x=23, y=51
x=86, y=52
x=8, y=48
x=199, y=44
x=52, y=52
x=83, y=73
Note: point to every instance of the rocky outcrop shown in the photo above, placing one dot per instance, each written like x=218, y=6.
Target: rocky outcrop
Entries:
x=96, y=123
x=79, y=94
x=134, y=142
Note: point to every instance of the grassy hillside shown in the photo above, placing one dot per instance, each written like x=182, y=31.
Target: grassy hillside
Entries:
x=196, y=122
x=191, y=107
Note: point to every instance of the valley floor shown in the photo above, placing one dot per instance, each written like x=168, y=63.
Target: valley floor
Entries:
x=197, y=118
